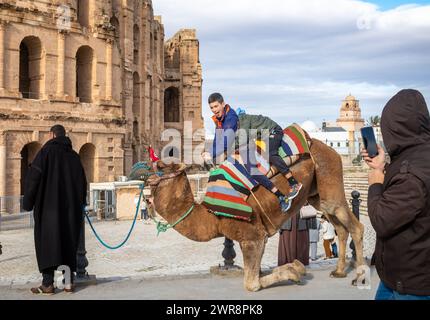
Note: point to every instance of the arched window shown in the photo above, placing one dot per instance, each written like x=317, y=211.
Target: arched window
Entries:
x=136, y=95
x=28, y=153
x=84, y=68
x=30, y=68
x=135, y=145
x=83, y=12
x=136, y=44
x=115, y=23
x=88, y=158
x=171, y=105
x=151, y=46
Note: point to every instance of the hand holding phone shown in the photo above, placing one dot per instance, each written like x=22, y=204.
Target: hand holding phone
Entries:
x=376, y=163
x=369, y=141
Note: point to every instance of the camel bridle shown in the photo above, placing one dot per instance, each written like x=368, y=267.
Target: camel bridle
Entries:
x=163, y=227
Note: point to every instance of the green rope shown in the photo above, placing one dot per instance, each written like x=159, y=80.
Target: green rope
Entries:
x=131, y=229
x=163, y=227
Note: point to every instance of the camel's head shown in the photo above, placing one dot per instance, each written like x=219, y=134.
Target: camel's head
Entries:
x=169, y=183
x=166, y=172
x=171, y=168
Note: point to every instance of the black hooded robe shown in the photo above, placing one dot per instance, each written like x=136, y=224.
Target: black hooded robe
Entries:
x=56, y=188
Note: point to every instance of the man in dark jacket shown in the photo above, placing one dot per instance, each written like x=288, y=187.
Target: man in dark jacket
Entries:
x=56, y=189
x=399, y=199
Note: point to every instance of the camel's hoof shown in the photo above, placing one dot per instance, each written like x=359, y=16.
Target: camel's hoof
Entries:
x=253, y=288
x=293, y=275
x=299, y=267
x=336, y=274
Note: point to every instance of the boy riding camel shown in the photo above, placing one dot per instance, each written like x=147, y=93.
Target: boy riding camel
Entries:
x=228, y=122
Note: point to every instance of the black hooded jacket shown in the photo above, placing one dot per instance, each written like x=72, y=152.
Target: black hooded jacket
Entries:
x=399, y=209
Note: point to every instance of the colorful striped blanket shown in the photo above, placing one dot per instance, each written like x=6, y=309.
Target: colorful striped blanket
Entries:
x=228, y=188
x=230, y=185
x=293, y=144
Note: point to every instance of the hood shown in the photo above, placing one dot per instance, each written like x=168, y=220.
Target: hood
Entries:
x=405, y=122
x=61, y=141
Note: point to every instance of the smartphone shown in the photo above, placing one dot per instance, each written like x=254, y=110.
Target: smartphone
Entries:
x=369, y=141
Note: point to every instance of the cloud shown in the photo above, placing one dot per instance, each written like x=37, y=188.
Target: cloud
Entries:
x=297, y=59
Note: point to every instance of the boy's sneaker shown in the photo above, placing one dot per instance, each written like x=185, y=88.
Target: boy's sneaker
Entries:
x=285, y=203
x=295, y=189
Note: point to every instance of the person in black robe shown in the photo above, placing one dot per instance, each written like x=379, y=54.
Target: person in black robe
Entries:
x=56, y=189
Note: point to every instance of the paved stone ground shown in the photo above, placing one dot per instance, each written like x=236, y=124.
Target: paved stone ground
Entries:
x=145, y=258
x=316, y=285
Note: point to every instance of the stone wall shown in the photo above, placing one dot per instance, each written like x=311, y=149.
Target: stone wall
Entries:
x=96, y=67
x=184, y=79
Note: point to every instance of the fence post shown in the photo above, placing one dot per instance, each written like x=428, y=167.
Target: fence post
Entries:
x=355, y=203
x=229, y=254
x=81, y=259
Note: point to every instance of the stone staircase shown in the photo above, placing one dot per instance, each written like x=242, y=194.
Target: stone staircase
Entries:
x=357, y=180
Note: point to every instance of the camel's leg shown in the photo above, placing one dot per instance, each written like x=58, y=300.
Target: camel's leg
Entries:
x=331, y=193
x=356, y=229
x=252, y=254
x=282, y=273
x=342, y=235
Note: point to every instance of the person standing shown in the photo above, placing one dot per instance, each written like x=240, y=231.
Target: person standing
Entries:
x=314, y=236
x=334, y=247
x=56, y=189
x=399, y=199
x=294, y=241
x=328, y=236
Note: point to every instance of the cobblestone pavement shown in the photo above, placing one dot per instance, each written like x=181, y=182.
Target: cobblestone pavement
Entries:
x=145, y=255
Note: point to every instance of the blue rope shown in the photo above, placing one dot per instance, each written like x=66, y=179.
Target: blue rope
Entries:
x=129, y=233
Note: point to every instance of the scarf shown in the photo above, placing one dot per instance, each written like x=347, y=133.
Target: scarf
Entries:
x=218, y=122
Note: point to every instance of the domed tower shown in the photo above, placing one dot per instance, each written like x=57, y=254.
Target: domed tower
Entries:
x=351, y=120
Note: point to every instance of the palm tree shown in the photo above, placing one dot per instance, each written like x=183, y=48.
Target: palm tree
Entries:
x=375, y=121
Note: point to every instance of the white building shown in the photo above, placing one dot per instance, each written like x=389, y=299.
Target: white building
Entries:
x=335, y=137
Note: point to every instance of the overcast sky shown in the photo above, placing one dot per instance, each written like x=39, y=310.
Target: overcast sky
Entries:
x=295, y=60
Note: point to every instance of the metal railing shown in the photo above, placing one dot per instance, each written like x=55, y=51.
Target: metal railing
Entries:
x=12, y=214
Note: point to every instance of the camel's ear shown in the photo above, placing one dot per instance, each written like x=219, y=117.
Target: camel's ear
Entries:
x=182, y=167
x=179, y=167
x=161, y=165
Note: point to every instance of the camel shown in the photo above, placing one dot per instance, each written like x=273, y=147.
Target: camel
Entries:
x=322, y=179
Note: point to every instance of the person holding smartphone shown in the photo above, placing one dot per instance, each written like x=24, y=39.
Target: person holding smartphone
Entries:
x=399, y=199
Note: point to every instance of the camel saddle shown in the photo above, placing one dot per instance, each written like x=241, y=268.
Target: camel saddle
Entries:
x=296, y=144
